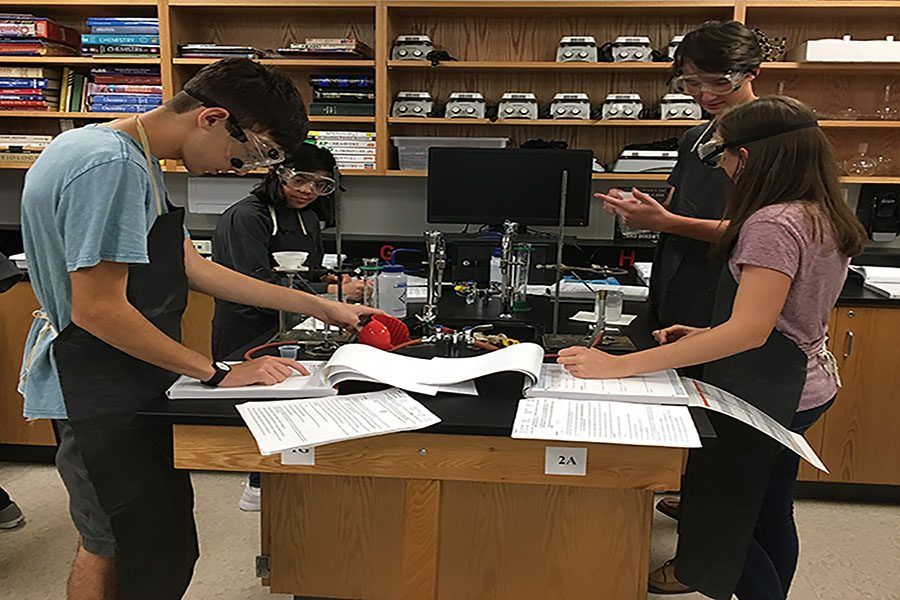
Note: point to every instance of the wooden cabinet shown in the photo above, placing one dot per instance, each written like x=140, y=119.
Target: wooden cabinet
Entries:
x=16, y=307
x=857, y=439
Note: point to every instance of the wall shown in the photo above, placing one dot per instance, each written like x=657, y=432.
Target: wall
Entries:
x=372, y=206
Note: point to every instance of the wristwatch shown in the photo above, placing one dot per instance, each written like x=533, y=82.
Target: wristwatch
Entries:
x=222, y=369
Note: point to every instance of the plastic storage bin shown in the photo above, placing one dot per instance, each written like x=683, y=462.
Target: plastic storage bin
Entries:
x=413, y=151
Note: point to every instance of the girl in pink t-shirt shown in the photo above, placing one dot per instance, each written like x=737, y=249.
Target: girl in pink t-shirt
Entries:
x=788, y=238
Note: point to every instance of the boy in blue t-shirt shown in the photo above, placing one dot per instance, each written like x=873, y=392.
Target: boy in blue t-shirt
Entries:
x=111, y=266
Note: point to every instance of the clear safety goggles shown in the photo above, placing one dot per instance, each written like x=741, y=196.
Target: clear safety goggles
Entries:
x=253, y=151
x=710, y=153
x=719, y=85
x=304, y=180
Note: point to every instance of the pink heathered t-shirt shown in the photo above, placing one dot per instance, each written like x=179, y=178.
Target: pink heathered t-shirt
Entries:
x=781, y=237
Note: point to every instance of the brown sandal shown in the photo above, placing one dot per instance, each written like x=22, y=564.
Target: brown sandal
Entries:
x=663, y=581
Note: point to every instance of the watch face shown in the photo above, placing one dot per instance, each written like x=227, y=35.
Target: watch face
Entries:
x=223, y=366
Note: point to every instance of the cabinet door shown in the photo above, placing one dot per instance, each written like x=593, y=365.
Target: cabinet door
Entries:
x=860, y=443
x=16, y=306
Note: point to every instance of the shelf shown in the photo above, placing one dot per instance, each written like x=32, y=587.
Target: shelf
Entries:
x=82, y=3
x=832, y=67
x=287, y=62
x=656, y=177
x=333, y=119
x=75, y=60
x=276, y=3
x=543, y=5
x=344, y=172
x=861, y=124
x=474, y=65
x=45, y=114
x=542, y=122
x=14, y=165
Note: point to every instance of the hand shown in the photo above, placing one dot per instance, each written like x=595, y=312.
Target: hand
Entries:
x=266, y=370
x=343, y=315
x=590, y=363
x=333, y=278
x=641, y=212
x=675, y=333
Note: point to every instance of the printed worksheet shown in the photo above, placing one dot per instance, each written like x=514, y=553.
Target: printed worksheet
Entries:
x=661, y=387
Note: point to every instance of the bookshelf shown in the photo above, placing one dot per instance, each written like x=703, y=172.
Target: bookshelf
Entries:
x=505, y=45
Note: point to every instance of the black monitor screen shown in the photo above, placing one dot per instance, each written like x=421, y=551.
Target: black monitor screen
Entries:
x=487, y=186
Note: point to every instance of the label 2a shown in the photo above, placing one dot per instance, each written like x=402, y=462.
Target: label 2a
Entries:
x=299, y=456
x=565, y=461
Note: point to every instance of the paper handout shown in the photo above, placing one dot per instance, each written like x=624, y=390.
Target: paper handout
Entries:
x=662, y=387
x=295, y=386
x=286, y=424
x=599, y=421
x=710, y=397
x=523, y=358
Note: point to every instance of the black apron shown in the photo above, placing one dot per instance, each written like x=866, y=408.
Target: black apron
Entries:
x=235, y=325
x=130, y=460
x=724, y=484
x=685, y=276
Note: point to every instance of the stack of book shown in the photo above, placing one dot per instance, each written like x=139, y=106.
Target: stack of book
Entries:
x=28, y=35
x=124, y=89
x=342, y=95
x=328, y=48
x=18, y=149
x=29, y=88
x=218, y=51
x=135, y=37
x=353, y=150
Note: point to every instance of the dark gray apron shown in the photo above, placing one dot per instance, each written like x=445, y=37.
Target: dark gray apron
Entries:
x=724, y=484
x=129, y=460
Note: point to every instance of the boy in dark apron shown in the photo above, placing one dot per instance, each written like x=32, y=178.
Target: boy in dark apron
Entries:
x=111, y=267
x=788, y=245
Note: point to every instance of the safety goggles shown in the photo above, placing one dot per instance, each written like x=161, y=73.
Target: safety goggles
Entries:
x=710, y=153
x=304, y=180
x=719, y=85
x=255, y=152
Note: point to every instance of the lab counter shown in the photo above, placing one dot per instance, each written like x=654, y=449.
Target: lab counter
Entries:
x=459, y=510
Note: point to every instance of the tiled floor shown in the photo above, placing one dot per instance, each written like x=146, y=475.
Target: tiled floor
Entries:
x=850, y=551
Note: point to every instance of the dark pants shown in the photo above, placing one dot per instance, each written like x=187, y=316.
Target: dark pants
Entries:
x=254, y=480
x=4, y=499
x=772, y=558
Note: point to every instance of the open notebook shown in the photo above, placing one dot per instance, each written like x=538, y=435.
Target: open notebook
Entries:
x=661, y=387
x=881, y=280
x=358, y=362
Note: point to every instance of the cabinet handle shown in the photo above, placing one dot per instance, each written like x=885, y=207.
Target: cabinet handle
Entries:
x=848, y=345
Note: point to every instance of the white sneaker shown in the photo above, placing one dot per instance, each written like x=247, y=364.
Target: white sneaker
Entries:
x=11, y=517
x=249, y=499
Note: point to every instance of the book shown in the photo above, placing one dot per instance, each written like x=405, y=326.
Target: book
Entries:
x=341, y=135
x=125, y=80
x=126, y=99
x=27, y=97
x=64, y=88
x=34, y=48
x=343, y=96
x=888, y=290
x=128, y=21
x=28, y=104
x=662, y=387
x=16, y=138
x=126, y=71
x=121, y=108
x=31, y=83
x=18, y=157
x=218, y=51
x=28, y=73
x=342, y=81
x=95, y=88
x=38, y=28
x=351, y=151
x=125, y=29
x=93, y=39
x=295, y=386
x=337, y=145
x=341, y=109
x=119, y=49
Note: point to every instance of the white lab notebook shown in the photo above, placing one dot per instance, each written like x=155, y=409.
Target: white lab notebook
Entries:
x=295, y=386
x=661, y=387
x=888, y=290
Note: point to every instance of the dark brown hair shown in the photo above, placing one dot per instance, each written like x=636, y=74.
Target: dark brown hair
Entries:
x=797, y=166
x=719, y=47
x=259, y=97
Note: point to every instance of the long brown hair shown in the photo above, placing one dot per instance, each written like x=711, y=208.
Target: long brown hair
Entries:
x=798, y=166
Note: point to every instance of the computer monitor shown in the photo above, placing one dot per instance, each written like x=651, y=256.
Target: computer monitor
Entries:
x=488, y=186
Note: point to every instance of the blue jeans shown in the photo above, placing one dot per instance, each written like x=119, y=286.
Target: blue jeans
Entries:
x=772, y=558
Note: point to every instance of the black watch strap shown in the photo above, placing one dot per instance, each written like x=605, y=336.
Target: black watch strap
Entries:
x=221, y=371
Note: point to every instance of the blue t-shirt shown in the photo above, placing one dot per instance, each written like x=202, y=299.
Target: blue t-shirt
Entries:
x=88, y=198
